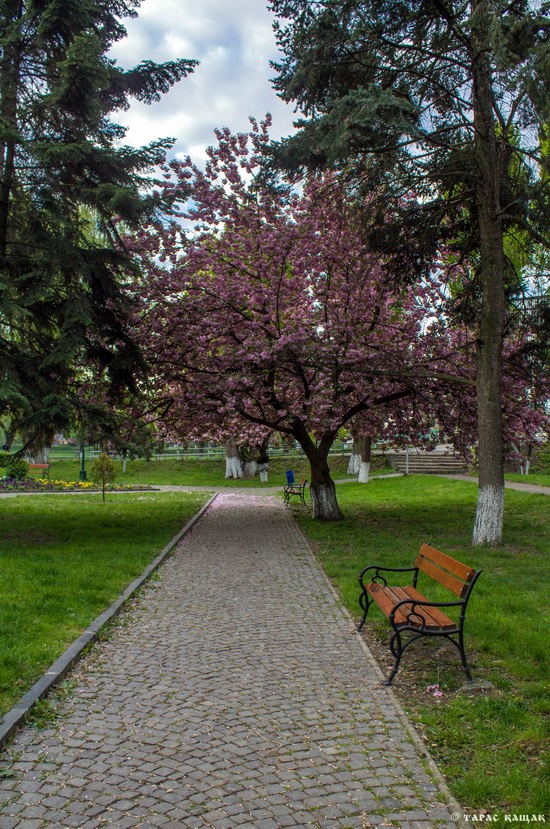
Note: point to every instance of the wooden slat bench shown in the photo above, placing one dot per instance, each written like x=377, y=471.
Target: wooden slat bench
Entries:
x=43, y=468
x=410, y=612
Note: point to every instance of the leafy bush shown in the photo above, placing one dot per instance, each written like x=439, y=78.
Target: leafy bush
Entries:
x=15, y=466
x=541, y=462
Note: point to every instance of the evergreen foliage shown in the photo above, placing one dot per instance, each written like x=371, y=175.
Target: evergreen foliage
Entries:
x=66, y=179
x=388, y=90
x=447, y=101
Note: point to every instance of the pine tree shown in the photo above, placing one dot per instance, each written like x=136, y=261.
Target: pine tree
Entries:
x=448, y=100
x=62, y=163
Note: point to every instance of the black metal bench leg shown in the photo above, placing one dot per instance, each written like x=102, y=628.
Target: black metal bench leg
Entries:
x=397, y=650
x=364, y=604
x=463, y=657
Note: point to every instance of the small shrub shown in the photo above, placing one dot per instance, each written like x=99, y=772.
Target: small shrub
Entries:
x=17, y=468
x=103, y=471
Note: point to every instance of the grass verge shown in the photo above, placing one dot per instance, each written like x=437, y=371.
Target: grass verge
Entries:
x=492, y=748
x=65, y=559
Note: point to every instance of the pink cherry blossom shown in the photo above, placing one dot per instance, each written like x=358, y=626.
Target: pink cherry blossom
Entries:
x=263, y=309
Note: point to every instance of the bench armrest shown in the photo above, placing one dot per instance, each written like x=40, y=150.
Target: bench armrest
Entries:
x=378, y=569
x=416, y=603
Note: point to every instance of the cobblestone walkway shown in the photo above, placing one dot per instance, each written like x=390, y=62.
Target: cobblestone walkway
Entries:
x=233, y=693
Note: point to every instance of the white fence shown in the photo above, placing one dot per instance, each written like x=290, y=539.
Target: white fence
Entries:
x=190, y=452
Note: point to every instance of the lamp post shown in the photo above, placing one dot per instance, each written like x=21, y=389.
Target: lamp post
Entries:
x=82, y=475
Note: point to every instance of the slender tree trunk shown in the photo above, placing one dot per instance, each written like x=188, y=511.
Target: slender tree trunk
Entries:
x=490, y=504
x=364, y=466
x=324, y=504
x=263, y=461
x=355, y=457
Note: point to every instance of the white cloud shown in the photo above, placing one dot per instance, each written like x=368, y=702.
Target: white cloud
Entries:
x=234, y=42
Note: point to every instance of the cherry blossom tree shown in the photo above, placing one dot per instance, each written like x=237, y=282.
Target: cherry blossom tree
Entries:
x=262, y=308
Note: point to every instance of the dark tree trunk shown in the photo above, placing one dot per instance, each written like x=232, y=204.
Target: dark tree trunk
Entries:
x=9, y=83
x=364, y=466
x=490, y=504
x=355, y=457
x=324, y=504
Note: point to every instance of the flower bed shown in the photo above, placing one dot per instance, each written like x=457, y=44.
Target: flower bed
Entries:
x=45, y=485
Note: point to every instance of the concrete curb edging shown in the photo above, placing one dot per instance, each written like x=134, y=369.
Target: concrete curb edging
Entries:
x=452, y=802
x=56, y=672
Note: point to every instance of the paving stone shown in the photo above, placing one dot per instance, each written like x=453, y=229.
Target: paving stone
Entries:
x=238, y=706
x=8, y=822
x=55, y=817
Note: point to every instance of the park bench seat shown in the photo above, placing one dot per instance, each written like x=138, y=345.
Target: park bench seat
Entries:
x=410, y=613
x=292, y=487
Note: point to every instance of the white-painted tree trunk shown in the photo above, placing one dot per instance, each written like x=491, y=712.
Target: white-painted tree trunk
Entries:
x=233, y=468
x=364, y=469
x=489, y=515
x=355, y=457
x=40, y=455
x=524, y=462
x=354, y=462
x=324, y=504
x=263, y=468
x=365, y=446
x=124, y=463
x=250, y=469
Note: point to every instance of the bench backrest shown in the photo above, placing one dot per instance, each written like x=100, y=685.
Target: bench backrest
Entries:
x=446, y=570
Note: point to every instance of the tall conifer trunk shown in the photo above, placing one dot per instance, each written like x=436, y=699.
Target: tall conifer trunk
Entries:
x=490, y=504
x=9, y=84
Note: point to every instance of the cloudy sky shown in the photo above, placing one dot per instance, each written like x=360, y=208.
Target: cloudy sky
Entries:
x=234, y=42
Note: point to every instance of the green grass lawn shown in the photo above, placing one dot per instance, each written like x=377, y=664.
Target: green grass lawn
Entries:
x=538, y=478
x=493, y=748
x=63, y=560
x=66, y=558
x=207, y=473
